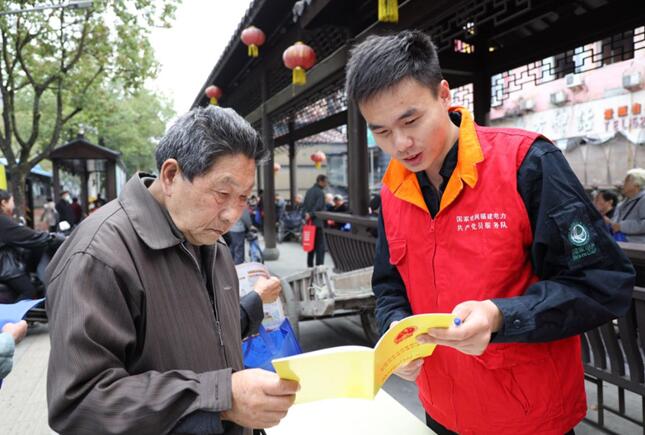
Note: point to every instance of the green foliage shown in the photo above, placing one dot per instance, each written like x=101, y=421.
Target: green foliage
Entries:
x=56, y=63
x=129, y=123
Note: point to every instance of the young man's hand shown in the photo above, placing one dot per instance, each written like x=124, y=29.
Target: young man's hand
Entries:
x=260, y=398
x=410, y=370
x=16, y=330
x=479, y=320
x=268, y=289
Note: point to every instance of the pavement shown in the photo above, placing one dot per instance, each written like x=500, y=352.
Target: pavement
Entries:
x=23, y=406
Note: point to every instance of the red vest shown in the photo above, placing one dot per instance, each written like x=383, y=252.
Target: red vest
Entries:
x=478, y=248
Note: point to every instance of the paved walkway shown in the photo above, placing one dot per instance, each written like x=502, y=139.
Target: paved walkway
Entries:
x=23, y=409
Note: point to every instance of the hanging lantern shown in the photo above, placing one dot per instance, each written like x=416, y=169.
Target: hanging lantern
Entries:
x=318, y=158
x=214, y=93
x=299, y=58
x=276, y=167
x=388, y=11
x=253, y=38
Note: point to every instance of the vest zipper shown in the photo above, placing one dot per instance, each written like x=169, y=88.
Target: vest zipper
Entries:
x=211, y=299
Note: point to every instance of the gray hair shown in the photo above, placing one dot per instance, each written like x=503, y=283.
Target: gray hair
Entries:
x=638, y=176
x=381, y=62
x=198, y=138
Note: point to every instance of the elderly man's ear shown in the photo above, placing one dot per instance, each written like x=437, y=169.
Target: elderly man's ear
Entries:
x=168, y=175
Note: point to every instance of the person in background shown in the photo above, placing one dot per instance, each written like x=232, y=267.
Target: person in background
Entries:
x=340, y=206
x=12, y=334
x=237, y=235
x=629, y=217
x=22, y=252
x=605, y=202
x=329, y=201
x=77, y=210
x=64, y=208
x=315, y=201
x=50, y=215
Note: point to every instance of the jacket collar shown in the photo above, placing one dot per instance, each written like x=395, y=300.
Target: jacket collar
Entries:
x=150, y=220
x=404, y=184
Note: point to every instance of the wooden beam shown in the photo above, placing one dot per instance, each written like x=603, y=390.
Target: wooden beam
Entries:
x=319, y=76
x=335, y=120
x=616, y=17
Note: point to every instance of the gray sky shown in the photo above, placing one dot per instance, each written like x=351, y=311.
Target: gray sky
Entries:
x=190, y=49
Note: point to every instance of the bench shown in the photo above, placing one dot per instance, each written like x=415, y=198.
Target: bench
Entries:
x=613, y=353
x=350, y=250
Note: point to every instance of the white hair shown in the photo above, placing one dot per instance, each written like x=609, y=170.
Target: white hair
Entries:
x=638, y=176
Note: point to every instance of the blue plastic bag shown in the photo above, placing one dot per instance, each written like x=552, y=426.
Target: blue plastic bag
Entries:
x=259, y=350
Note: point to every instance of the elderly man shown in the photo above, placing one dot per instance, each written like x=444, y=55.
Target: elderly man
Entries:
x=143, y=298
x=629, y=217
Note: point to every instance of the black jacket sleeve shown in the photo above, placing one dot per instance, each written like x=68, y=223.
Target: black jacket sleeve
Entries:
x=391, y=298
x=585, y=278
x=20, y=236
x=251, y=313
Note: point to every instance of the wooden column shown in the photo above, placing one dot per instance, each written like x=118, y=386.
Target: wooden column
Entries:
x=481, y=87
x=110, y=180
x=357, y=161
x=271, y=252
x=84, y=190
x=56, y=180
x=293, y=165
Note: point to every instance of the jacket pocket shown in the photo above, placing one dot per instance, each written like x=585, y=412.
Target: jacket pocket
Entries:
x=518, y=382
x=398, y=249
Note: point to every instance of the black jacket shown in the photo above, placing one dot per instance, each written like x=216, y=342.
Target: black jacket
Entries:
x=14, y=237
x=314, y=201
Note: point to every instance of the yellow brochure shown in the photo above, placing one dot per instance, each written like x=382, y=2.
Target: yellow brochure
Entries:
x=358, y=371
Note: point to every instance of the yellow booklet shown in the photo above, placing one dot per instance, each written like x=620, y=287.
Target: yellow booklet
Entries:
x=359, y=371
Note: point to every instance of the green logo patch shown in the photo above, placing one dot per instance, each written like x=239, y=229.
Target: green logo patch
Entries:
x=580, y=239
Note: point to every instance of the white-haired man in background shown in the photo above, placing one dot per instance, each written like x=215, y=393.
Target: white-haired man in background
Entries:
x=629, y=217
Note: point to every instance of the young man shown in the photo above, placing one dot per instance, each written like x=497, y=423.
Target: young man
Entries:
x=492, y=225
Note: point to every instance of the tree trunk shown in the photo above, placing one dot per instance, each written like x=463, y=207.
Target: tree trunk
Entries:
x=18, y=183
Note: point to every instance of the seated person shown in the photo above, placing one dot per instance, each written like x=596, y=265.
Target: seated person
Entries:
x=14, y=266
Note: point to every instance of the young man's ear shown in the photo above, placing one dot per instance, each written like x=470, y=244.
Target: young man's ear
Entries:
x=444, y=93
x=168, y=175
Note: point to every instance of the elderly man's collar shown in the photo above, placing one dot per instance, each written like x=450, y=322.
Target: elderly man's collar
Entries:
x=149, y=219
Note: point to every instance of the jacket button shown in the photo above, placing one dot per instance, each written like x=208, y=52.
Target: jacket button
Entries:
x=517, y=323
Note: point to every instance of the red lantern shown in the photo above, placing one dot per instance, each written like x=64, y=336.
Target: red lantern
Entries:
x=318, y=158
x=299, y=58
x=214, y=93
x=253, y=38
x=388, y=11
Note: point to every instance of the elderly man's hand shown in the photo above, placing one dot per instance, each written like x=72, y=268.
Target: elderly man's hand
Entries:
x=410, y=370
x=268, y=288
x=615, y=227
x=479, y=319
x=16, y=330
x=260, y=398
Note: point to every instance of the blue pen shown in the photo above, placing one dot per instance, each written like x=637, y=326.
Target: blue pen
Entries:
x=457, y=321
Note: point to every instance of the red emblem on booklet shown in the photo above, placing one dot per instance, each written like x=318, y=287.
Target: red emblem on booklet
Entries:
x=407, y=332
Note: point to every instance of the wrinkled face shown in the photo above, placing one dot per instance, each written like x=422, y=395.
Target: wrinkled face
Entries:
x=7, y=207
x=630, y=188
x=410, y=123
x=207, y=207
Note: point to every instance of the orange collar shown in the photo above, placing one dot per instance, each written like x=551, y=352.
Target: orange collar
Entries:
x=404, y=184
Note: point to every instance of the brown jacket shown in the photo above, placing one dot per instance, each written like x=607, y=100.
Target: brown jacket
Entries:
x=137, y=347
